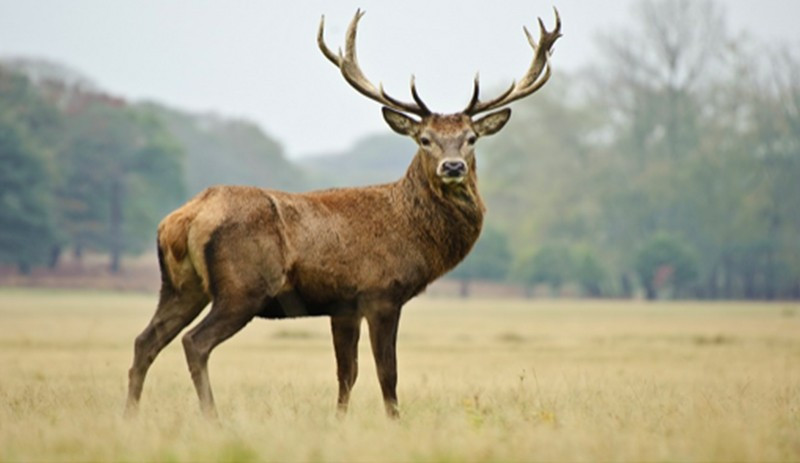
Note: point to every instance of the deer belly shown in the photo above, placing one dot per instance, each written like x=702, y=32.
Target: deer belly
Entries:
x=292, y=304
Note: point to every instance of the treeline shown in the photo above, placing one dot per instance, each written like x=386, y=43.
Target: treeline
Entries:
x=374, y=159
x=86, y=171
x=670, y=168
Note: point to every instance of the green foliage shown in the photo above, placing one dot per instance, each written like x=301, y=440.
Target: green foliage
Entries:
x=552, y=264
x=98, y=171
x=665, y=262
x=26, y=228
x=27, y=124
x=679, y=151
x=222, y=151
x=373, y=159
x=121, y=172
x=590, y=273
x=489, y=259
x=21, y=101
x=656, y=144
x=103, y=172
x=556, y=265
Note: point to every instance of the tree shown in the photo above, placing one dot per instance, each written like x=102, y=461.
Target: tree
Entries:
x=742, y=219
x=26, y=227
x=121, y=173
x=488, y=260
x=552, y=264
x=224, y=151
x=28, y=129
x=777, y=131
x=674, y=131
x=655, y=73
x=589, y=273
x=665, y=262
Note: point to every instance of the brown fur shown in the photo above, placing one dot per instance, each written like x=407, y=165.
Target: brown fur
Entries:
x=348, y=253
x=351, y=254
x=327, y=246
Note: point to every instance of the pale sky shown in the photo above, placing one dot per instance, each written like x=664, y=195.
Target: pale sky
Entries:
x=259, y=59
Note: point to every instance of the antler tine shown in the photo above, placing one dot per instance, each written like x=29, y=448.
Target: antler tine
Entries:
x=533, y=79
x=351, y=71
x=420, y=109
x=476, y=106
x=416, y=97
x=476, y=90
x=333, y=57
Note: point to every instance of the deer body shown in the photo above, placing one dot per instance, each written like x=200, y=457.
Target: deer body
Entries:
x=349, y=253
x=320, y=253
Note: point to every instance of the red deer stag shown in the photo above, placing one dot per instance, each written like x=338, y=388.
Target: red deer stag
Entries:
x=347, y=253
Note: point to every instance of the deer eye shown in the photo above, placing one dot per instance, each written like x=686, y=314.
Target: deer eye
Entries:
x=471, y=140
x=425, y=141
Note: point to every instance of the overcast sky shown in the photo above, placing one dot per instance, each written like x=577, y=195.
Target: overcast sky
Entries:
x=259, y=60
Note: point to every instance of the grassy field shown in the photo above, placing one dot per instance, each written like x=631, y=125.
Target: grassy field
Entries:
x=481, y=380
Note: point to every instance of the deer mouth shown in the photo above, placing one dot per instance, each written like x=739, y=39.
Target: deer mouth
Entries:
x=452, y=177
x=452, y=171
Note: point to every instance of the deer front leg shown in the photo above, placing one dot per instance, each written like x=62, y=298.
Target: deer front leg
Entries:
x=346, y=330
x=383, y=323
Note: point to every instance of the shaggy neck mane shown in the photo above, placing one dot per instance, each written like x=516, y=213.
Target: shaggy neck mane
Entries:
x=452, y=226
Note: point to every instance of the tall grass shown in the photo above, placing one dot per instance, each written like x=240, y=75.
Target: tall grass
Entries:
x=481, y=380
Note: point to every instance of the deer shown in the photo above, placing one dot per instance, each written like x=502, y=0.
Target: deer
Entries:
x=351, y=254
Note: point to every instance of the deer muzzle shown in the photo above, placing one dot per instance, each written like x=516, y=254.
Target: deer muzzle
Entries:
x=452, y=170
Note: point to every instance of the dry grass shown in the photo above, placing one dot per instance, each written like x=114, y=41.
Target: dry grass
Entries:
x=481, y=380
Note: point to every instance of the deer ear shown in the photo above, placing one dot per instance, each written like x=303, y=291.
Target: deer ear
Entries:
x=400, y=123
x=492, y=123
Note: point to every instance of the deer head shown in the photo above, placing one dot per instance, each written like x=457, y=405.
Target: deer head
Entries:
x=446, y=141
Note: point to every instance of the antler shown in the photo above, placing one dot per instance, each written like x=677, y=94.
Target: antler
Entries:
x=348, y=64
x=531, y=81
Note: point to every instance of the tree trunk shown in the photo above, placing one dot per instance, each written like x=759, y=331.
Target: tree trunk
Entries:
x=626, y=287
x=650, y=292
x=555, y=290
x=528, y=289
x=115, y=227
x=24, y=267
x=770, y=277
x=750, y=291
x=712, y=287
x=463, y=289
x=77, y=253
x=55, y=257
x=727, y=285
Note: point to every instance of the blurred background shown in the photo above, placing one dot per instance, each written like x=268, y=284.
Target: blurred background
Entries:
x=660, y=161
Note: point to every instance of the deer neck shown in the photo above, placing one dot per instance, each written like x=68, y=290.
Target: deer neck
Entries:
x=449, y=216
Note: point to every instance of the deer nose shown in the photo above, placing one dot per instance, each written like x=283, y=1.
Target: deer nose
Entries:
x=454, y=168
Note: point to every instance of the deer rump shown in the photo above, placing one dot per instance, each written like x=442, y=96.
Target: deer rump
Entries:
x=302, y=255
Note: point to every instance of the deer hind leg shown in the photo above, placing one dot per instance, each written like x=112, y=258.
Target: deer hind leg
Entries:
x=223, y=321
x=346, y=330
x=383, y=321
x=174, y=312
